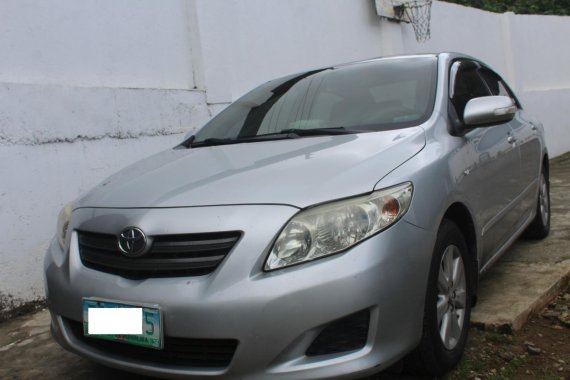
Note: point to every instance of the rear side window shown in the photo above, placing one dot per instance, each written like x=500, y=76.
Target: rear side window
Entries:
x=497, y=85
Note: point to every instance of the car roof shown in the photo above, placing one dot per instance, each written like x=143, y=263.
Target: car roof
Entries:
x=448, y=55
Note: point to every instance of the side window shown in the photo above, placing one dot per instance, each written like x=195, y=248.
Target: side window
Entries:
x=497, y=85
x=466, y=84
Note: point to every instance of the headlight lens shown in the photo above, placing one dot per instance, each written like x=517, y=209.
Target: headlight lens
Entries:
x=63, y=224
x=333, y=227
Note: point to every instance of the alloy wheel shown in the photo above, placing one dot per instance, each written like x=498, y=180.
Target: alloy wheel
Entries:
x=451, y=297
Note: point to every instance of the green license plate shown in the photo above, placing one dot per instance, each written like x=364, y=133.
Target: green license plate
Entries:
x=151, y=336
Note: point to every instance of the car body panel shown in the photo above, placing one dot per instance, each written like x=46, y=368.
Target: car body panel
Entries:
x=268, y=172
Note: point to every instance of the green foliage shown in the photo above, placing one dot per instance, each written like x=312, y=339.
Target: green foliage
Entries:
x=542, y=7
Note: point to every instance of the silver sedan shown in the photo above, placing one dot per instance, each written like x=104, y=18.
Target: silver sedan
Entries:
x=325, y=225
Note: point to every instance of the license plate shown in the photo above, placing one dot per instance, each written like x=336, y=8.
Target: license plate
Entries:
x=151, y=336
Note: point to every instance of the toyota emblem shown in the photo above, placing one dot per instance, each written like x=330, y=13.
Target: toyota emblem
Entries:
x=132, y=242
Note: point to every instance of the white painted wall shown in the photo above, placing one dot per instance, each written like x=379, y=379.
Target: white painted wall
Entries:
x=87, y=87
x=37, y=180
x=102, y=43
x=540, y=52
x=247, y=42
x=541, y=61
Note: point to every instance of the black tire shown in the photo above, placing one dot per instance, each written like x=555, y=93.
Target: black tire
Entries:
x=432, y=357
x=539, y=228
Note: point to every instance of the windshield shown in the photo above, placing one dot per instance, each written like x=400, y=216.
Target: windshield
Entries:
x=363, y=97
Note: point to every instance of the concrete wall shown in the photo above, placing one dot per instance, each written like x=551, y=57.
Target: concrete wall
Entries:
x=102, y=43
x=542, y=73
x=247, y=42
x=87, y=87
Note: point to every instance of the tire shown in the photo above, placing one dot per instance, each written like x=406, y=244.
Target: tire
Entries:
x=539, y=228
x=441, y=348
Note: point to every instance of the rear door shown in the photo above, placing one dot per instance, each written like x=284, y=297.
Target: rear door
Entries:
x=526, y=138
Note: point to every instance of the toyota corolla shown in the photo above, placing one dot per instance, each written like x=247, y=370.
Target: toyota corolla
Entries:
x=325, y=225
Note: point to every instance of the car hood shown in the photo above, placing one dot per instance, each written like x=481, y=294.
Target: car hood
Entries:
x=298, y=172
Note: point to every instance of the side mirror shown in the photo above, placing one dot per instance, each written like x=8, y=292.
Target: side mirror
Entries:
x=489, y=110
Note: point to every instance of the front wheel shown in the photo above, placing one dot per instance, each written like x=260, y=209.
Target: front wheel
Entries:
x=447, y=305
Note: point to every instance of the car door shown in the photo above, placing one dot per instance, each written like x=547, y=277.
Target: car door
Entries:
x=526, y=138
x=490, y=180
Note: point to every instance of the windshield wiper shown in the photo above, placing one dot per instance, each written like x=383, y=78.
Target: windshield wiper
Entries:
x=292, y=133
x=318, y=131
x=212, y=141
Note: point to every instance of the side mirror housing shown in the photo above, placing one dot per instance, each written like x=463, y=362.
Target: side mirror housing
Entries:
x=489, y=110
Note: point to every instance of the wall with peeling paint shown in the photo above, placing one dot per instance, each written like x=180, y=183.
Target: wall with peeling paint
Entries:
x=88, y=87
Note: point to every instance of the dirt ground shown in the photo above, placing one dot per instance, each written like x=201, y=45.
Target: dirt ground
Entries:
x=540, y=351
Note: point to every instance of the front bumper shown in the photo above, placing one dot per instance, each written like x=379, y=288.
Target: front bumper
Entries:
x=275, y=316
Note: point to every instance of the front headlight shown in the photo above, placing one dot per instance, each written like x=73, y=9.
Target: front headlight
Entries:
x=333, y=227
x=63, y=224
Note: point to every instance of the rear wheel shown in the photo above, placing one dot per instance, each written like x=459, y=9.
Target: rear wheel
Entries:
x=539, y=228
x=447, y=306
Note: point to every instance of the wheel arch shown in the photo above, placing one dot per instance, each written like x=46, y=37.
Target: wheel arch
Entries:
x=460, y=215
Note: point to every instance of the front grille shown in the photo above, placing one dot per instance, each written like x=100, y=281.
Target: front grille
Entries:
x=346, y=334
x=178, y=352
x=169, y=255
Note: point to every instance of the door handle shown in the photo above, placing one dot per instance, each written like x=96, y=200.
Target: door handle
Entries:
x=532, y=126
x=511, y=140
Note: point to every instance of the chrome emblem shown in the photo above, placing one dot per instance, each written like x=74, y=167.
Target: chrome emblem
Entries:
x=132, y=242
